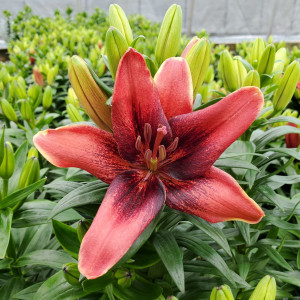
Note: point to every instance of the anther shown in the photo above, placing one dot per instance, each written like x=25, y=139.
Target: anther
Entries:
x=147, y=134
x=162, y=154
x=173, y=146
x=138, y=143
x=147, y=157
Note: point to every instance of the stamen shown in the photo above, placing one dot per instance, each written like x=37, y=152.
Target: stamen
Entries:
x=147, y=157
x=138, y=143
x=161, y=132
x=173, y=146
x=147, y=134
x=162, y=154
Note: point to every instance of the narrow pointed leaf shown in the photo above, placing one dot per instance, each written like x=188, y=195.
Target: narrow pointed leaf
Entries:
x=5, y=227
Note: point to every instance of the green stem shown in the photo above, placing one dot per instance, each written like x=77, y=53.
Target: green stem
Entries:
x=21, y=126
x=5, y=187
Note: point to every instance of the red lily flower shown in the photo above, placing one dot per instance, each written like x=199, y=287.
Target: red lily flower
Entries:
x=292, y=140
x=160, y=152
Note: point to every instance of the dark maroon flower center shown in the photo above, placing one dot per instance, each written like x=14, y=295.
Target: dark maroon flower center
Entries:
x=157, y=156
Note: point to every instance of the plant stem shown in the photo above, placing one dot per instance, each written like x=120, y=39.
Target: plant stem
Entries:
x=5, y=187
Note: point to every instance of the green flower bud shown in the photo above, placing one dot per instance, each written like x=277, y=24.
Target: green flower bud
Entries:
x=241, y=71
x=72, y=98
x=30, y=172
x=198, y=59
x=26, y=110
x=116, y=46
x=4, y=76
x=228, y=71
x=8, y=111
x=257, y=51
x=73, y=113
x=35, y=95
x=252, y=79
x=8, y=164
x=280, y=60
x=32, y=152
x=125, y=277
x=222, y=292
x=52, y=74
x=2, y=145
x=71, y=273
x=118, y=19
x=209, y=76
x=20, y=91
x=286, y=89
x=82, y=228
x=265, y=290
x=266, y=62
x=47, y=97
x=169, y=37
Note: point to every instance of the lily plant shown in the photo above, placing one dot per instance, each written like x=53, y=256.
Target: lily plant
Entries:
x=160, y=152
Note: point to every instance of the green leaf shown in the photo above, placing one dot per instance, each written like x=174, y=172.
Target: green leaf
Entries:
x=151, y=65
x=62, y=187
x=91, y=192
x=67, y=237
x=282, y=119
x=57, y=288
x=292, y=277
x=235, y=163
x=19, y=195
x=134, y=42
x=245, y=231
x=11, y=287
x=287, y=151
x=244, y=62
x=97, y=284
x=269, y=193
x=298, y=259
x=171, y=256
x=5, y=227
x=206, y=252
x=50, y=258
x=139, y=289
x=37, y=212
x=144, y=258
x=29, y=292
x=214, y=232
x=5, y=263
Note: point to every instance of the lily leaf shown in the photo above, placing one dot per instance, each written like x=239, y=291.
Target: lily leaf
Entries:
x=5, y=227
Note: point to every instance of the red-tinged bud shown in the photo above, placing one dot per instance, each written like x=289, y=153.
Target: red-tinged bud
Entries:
x=173, y=146
x=138, y=143
x=147, y=134
x=292, y=140
x=31, y=56
x=38, y=77
x=162, y=154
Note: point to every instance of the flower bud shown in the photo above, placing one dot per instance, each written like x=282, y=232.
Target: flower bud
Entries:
x=257, y=51
x=26, y=110
x=116, y=46
x=227, y=71
x=241, y=71
x=90, y=95
x=30, y=172
x=73, y=113
x=82, y=228
x=266, y=62
x=209, y=76
x=198, y=58
x=252, y=79
x=8, y=164
x=265, y=290
x=169, y=37
x=20, y=91
x=297, y=91
x=125, y=277
x=52, y=74
x=32, y=152
x=222, y=292
x=2, y=146
x=71, y=273
x=292, y=140
x=285, y=91
x=280, y=60
x=38, y=77
x=118, y=19
x=72, y=98
x=47, y=97
x=35, y=95
x=8, y=111
x=4, y=75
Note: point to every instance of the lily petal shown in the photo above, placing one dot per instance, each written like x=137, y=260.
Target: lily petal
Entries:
x=215, y=197
x=130, y=204
x=135, y=102
x=175, y=87
x=205, y=134
x=82, y=146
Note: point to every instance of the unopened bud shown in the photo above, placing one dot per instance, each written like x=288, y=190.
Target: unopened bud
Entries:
x=4, y=75
x=118, y=19
x=257, y=51
x=26, y=110
x=32, y=152
x=252, y=79
x=82, y=228
x=72, y=98
x=90, y=95
x=169, y=37
x=266, y=62
x=285, y=91
x=71, y=273
x=35, y=95
x=265, y=290
x=8, y=111
x=8, y=163
x=241, y=71
x=30, y=172
x=280, y=60
x=125, y=277
x=198, y=58
x=222, y=292
x=2, y=146
x=52, y=74
x=74, y=114
x=297, y=91
x=47, y=97
x=209, y=76
x=292, y=140
x=116, y=45
x=20, y=91
x=38, y=77
x=227, y=71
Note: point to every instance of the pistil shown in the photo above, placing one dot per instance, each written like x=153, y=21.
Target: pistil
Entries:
x=161, y=132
